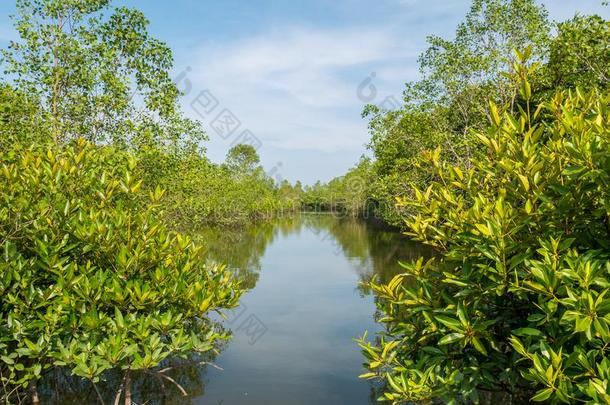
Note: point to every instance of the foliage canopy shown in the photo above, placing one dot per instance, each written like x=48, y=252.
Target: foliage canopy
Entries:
x=516, y=302
x=90, y=278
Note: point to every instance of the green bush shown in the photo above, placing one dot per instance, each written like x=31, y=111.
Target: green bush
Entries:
x=517, y=301
x=89, y=277
x=345, y=195
x=459, y=75
x=580, y=54
x=201, y=193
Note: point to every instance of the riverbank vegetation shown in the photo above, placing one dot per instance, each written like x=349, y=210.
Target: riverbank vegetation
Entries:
x=498, y=160
x=459, y=76
x=88, y=70
x=99, y=168
x=91, y=279
x=503, y=168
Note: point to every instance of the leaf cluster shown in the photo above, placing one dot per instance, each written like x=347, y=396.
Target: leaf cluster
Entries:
x=90, y=278
x=517, y=300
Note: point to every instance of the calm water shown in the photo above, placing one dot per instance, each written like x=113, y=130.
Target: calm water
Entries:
x=293, y=335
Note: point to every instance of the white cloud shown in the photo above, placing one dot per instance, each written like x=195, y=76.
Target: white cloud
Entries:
x=295, y=88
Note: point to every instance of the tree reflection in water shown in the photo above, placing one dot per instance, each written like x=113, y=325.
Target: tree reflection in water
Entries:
x=60, y=388
x=375, y=250
x=371, y=250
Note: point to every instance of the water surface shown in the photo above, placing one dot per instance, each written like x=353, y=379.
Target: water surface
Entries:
x=293, y=334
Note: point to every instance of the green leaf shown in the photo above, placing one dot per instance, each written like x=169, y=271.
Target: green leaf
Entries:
x=451, y=323
x=450, y=338
x=527, y=332
x=479, y=346
x=524, y=182
x=542, y=395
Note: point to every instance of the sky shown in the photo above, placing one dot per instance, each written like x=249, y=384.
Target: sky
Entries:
x=292, y=77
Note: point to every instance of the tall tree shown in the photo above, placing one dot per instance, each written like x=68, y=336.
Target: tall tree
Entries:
x=242, y=159
x=96, y=72
x=459, y=76
x=580, y=54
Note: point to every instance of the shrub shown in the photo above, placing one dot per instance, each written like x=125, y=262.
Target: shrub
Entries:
x=89, y=277
x=518, y=300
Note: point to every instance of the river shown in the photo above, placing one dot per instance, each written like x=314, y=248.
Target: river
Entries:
x=293, y=334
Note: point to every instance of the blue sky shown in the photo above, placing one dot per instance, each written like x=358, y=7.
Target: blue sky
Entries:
x=289, y=71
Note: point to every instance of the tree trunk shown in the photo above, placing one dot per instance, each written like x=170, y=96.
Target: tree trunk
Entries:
x=34, y=393
x=128, y=388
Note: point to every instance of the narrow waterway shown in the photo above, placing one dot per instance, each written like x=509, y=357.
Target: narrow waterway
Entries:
x=293, y=334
